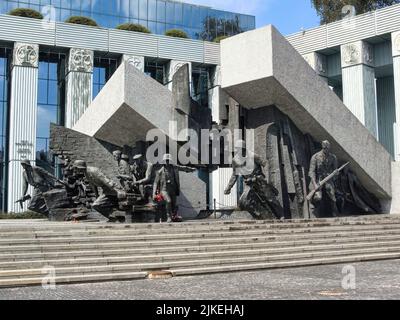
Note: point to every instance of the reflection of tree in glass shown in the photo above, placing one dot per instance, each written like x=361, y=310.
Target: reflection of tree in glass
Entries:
x=332, y=10
x=216, y=27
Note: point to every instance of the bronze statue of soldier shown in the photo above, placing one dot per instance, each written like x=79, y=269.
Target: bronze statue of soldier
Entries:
x=167, y=184
x=144, y=173
x=322, y=165
x=107, y=201
x=42, y=181
x=124, y=170
x=259, y=196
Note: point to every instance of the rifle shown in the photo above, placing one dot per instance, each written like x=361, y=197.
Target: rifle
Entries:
x=306, y=207
x=326, y=180
x=22, y=200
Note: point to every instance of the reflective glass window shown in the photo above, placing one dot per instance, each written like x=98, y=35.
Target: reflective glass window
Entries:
x=143, y=9
x=199, y=22
x=155, y=70
x=50, y=105
x=170, y=12
x=178, y=13
x=103, y=70
x=200, y=79
x=152, y=10
x=187, y=15
x=160, y=11
x=134, y=9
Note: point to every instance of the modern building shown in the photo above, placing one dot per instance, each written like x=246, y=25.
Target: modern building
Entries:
x=199, y=22
x=51, y=71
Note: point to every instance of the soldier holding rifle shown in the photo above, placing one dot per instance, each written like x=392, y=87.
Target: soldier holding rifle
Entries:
x=323, y=174
x=42, y=181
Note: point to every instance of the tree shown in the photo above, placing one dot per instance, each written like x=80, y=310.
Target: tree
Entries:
x=214, y=28
x=133, y=27
x=333, y=10
x=82, y=20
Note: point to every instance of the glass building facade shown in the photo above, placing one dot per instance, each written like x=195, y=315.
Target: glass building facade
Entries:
x=50, y=105
x=198, y=22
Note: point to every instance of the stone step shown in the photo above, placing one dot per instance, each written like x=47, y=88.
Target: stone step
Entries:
x=42, y=226
x=194, y=242
x=284, y=264
x=76, y=233
x=209, y=254
x=19, y=282
x=205, y=263
x=12, y=257
x=202, y=235
x=115, y=276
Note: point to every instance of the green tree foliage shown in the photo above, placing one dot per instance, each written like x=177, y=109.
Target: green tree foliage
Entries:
x=133, y=27
x=332, y=10
x=220, y=38
x=82, y=20
x=176, y=33
x=27, y=13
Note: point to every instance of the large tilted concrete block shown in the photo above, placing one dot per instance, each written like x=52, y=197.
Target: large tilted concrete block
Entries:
x=130, y=104
x=260, y=68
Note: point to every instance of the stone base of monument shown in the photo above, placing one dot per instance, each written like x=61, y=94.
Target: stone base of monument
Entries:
x=225, y=215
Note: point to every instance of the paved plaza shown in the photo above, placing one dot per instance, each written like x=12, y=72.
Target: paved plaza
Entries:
x=373, y=280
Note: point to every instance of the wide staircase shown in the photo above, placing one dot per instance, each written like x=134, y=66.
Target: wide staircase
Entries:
x=84, y=252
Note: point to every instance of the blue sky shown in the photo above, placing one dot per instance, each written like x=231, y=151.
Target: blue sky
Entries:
x=289, y=16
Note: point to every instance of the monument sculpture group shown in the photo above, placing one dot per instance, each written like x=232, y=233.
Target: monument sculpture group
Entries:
x=145, y=188
x=292, y=176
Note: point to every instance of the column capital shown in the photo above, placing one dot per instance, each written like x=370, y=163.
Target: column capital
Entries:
x=80, y=60
x=396, y=44
x=318, y=62
x=26, y=55
x=136, y=61
x=175, y=65
x=359, y=52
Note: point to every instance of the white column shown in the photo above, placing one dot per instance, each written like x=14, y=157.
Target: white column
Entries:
x=319, y=63
x=136, y=61
x=359, y=91
x=23, y=118
x=396, y=75
x=172, y=67
x=79, y=85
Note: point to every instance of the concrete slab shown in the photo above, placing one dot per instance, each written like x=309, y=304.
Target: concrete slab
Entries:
x=260, y=68
x=130, y=104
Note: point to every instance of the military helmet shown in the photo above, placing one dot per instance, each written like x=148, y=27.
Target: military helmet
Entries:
x=80, y=164
x=326, y=144
x=26, y=162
